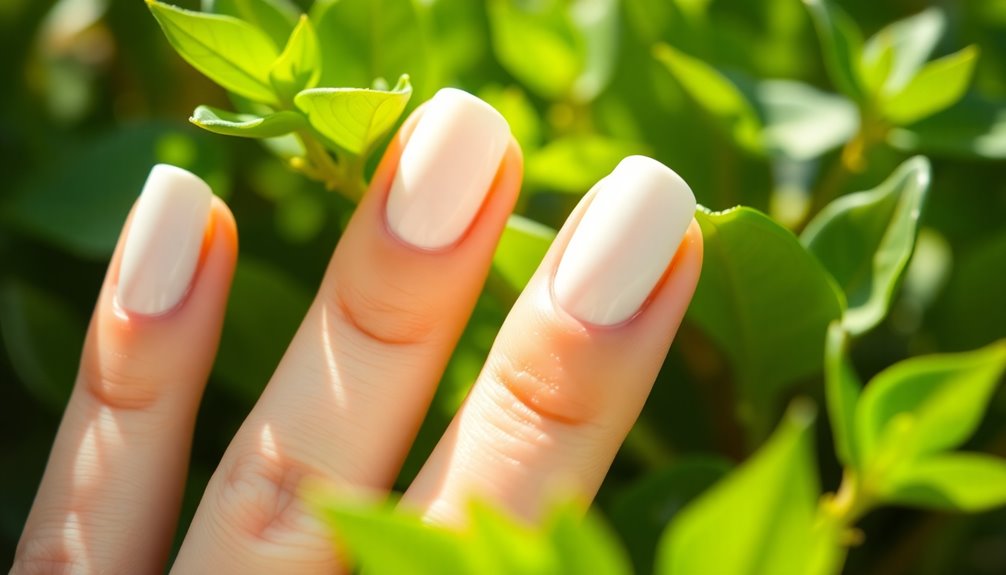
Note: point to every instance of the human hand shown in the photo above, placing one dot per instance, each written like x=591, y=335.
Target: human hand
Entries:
x=564, y=382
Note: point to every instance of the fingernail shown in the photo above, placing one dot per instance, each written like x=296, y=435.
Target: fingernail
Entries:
x=446, y=169
x=165, y=237
x=624, y=242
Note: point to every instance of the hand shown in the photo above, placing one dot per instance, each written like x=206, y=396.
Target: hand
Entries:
x=564, y=382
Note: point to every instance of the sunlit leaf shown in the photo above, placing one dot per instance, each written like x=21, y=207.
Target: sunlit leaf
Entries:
x=842, y=389
x=926, y=404
x=354, y=118
x=716, y=95
x=803, y=122
x=939, y=85
x=585, y=544
x=520, y=250
x=247, y=125
x=765, y=300
x=906, y=44
x=299, y=66
x=759, y=519
x=866, y=240
x=276, y=18
x=970, y=482
x=228, y=51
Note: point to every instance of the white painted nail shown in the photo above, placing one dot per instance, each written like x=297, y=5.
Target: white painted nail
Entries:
x=446, y=169
x=624, y=242
x=164, y=241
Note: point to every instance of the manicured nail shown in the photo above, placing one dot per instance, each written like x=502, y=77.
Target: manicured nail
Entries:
x=446, y=169
x=624, y=242
x=165, y=237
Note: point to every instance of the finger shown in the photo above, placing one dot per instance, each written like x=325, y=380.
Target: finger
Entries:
x=576, y=358
x=347, y=398
x=109, y=499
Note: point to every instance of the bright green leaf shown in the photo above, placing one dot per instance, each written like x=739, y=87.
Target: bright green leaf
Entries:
x=969, y=482
x=585, y=544
x=842, y=389
x=574, y=164
x=866, y=240
x=974, y=127
x=247, y=125
x=381, y=539
x=939, y=85
x=642, y=510
x=841, y=43
x=905, y=45
x=354, y=118
x=299, y=66
x=520, y=250
x=596, y=21
x=802, y=122
x=499, y=544
x=717, y=95
x=759, y=519
x=765, y=300
x=926, y=404
x=276, y=18
x=228, y=51
x=43, y=337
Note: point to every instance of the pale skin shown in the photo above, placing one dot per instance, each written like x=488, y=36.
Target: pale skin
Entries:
x=549, y=411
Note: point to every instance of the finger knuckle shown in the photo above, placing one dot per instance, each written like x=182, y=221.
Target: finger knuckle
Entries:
x=259, y=495
x=376, y=317
x=542, y=388
x=121, y=381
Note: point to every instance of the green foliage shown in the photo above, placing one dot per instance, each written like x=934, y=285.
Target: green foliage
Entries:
x=865, y=240
x=766, y=301
x=818, y=291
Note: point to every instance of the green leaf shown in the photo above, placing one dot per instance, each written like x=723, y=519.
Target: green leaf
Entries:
x=43, y=337
x=384, y=540
x=842, y=389
x=585, y=544
x=499, y=544
x=926, y=404
x=717, y=95
x=969, y=482
x=759, y=519
x=538, y=44
x=866, y=240
x=277, y=18
x=841, y=44
x=78, y=203
x=765, y=300
x=365, y=39
x=574, y=164
x=263, y=312
x=802, y=122
x=228, y=51
x=974, y=127
x=247, y=125
x=520, y=250
x=643, y=509
x=354, y=118
x=939, y=85
x=905, y=45
x=299, y=66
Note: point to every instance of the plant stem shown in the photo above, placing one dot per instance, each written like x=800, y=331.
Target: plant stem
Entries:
x=323, y=167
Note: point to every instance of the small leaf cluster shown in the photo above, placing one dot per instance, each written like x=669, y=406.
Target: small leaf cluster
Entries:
x=268, y=56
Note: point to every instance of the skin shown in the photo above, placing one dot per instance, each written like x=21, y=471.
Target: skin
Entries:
x=548, y=412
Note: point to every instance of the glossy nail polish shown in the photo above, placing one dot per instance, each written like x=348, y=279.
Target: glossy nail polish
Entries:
x=162, y=247
x=624, y=242
x=446, y=170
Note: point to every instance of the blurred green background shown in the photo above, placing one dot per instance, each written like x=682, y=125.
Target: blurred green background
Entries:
x=92, y=95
